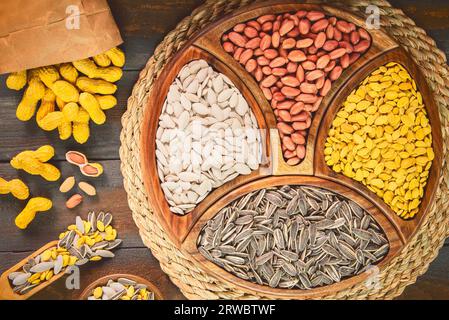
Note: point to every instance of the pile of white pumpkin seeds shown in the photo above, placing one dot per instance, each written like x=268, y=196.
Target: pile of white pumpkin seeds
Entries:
x=295, y=237
x=207, y=136
x=122, y=289
x=86, y=240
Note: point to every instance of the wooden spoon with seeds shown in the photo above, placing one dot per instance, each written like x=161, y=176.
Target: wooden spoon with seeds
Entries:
x=6, y=291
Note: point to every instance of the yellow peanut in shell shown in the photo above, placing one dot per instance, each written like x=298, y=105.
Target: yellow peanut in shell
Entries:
x=65, y=91
x=34, y=163
x=68, y=72
x=47, y=105
x=81, y=130
x=16, y=80
x=70, y=111
x=91, y=105
x=33, y=206
x=16, y=187
x=65, y=127
x=35, y=167
x=95, y=86
x=65, y=130
x=102, y=60
x=60, y=103
x=33, y=93
x=117, y=57
x=44, y=153
x=90, y=69
x=106, y=102
x=51, y=121
x=48, y=75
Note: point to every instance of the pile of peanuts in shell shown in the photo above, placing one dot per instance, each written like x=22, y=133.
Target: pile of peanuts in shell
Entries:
x=207, y=136
x=67, y=97
x=295, y=58
x=382, y=137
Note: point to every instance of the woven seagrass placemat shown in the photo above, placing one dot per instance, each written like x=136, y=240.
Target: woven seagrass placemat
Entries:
x=189, y=277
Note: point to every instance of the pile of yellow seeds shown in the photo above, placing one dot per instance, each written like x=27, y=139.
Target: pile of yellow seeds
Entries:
x=382, y=138
x=70, y=94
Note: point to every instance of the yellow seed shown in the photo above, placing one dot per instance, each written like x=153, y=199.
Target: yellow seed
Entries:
x=382, y=138
x=34, y=277
x=98, y=292
x=100, y=226
x=46, y=255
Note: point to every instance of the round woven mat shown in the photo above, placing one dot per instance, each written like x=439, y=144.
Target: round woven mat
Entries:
x=188, y=276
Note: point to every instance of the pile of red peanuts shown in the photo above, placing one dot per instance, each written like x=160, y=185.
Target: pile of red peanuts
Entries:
x=295, y=58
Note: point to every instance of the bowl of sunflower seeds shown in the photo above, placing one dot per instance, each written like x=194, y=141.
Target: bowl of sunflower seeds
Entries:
x=121, y=287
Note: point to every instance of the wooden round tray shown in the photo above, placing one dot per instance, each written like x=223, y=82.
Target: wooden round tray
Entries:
x=104, y=280
x=184, y=230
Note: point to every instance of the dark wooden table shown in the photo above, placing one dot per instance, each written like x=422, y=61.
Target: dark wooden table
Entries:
x=143, y=24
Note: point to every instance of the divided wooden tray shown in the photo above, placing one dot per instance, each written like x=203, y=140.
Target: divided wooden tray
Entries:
x=184, y=230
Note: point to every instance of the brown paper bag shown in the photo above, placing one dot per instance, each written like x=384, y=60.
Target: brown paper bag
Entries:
x=35, y=33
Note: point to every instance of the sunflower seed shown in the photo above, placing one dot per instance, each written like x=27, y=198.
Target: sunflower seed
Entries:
x=293, y=237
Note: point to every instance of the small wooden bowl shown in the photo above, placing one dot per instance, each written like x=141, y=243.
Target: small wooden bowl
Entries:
x=104, y=280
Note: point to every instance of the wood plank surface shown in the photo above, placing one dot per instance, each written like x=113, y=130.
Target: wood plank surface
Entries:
x=143, y=25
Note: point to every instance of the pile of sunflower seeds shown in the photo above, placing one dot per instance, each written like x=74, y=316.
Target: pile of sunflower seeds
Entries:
x=293, y=237
x=207, y=136
x=122, y=289
x=98, y=239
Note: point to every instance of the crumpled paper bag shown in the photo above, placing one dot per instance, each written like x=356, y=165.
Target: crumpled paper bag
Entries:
x=35, y=33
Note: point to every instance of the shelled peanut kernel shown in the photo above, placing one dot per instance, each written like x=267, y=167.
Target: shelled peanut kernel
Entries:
x=295, y=57
x=382, y=138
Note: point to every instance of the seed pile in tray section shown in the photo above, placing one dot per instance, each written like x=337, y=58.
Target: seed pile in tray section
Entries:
x=207, y=136
x=122, y=289
x=87, y=240
x=293, y=237
x=295, y=58
x=382, y=138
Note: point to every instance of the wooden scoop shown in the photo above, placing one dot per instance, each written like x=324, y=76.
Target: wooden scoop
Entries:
x=6, y=290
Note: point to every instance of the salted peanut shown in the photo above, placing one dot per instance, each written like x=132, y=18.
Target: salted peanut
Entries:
x=92, y=170
x=295, y=57
x=74, y=201
x=76, y=158
x=86, y=168
x=387, y=144
x=67, y=185
x=87, y=188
